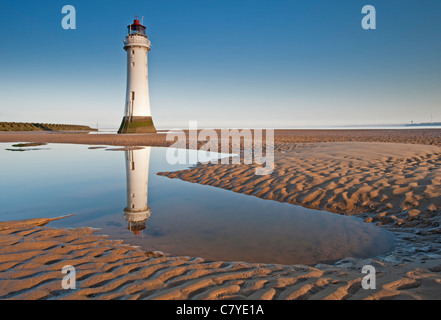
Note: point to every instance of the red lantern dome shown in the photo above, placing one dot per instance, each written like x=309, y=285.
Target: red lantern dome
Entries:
x=136, y=28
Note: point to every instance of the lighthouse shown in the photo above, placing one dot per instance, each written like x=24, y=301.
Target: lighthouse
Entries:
x=137, y=212
x=137, y=115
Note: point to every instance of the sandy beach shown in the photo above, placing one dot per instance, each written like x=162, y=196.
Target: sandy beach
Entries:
x=283, y=138
x=391, y=178
x=33, y=255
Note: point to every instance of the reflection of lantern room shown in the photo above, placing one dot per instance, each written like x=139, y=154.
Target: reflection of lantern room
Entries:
x=136, y=221
x=137, y=211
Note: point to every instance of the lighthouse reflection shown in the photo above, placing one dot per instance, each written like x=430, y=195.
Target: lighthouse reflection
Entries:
x=137, y=211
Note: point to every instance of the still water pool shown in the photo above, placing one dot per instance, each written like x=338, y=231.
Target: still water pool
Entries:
x=118, y=191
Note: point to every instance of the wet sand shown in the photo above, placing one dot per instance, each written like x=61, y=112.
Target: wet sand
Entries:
x=390, y=178
x=282, y=137
x=386, y=182
x=32, y=257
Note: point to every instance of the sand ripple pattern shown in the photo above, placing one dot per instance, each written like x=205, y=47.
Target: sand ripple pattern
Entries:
x=31, y=259
x=384, y=183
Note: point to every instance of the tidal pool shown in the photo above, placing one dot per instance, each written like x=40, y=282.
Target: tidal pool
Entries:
x=117, y=190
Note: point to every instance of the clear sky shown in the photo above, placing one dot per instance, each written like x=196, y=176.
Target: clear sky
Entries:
x=225, y=63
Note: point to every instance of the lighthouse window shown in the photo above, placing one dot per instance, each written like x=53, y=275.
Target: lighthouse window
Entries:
x=133, y=64
x=133, y=51
x=133, y=95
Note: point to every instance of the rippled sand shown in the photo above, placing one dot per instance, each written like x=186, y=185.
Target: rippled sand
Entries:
x=31, y=259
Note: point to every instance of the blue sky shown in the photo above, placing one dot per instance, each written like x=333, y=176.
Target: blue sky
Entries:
x=225, y=63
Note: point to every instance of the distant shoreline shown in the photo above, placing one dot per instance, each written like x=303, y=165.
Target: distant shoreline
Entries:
x=427, y=124
x=35, y=126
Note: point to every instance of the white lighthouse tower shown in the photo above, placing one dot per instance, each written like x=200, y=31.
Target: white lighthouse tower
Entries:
x=137, y=172
x=137, y=116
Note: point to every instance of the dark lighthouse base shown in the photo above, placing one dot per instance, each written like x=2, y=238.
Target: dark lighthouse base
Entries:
x=137, y=125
